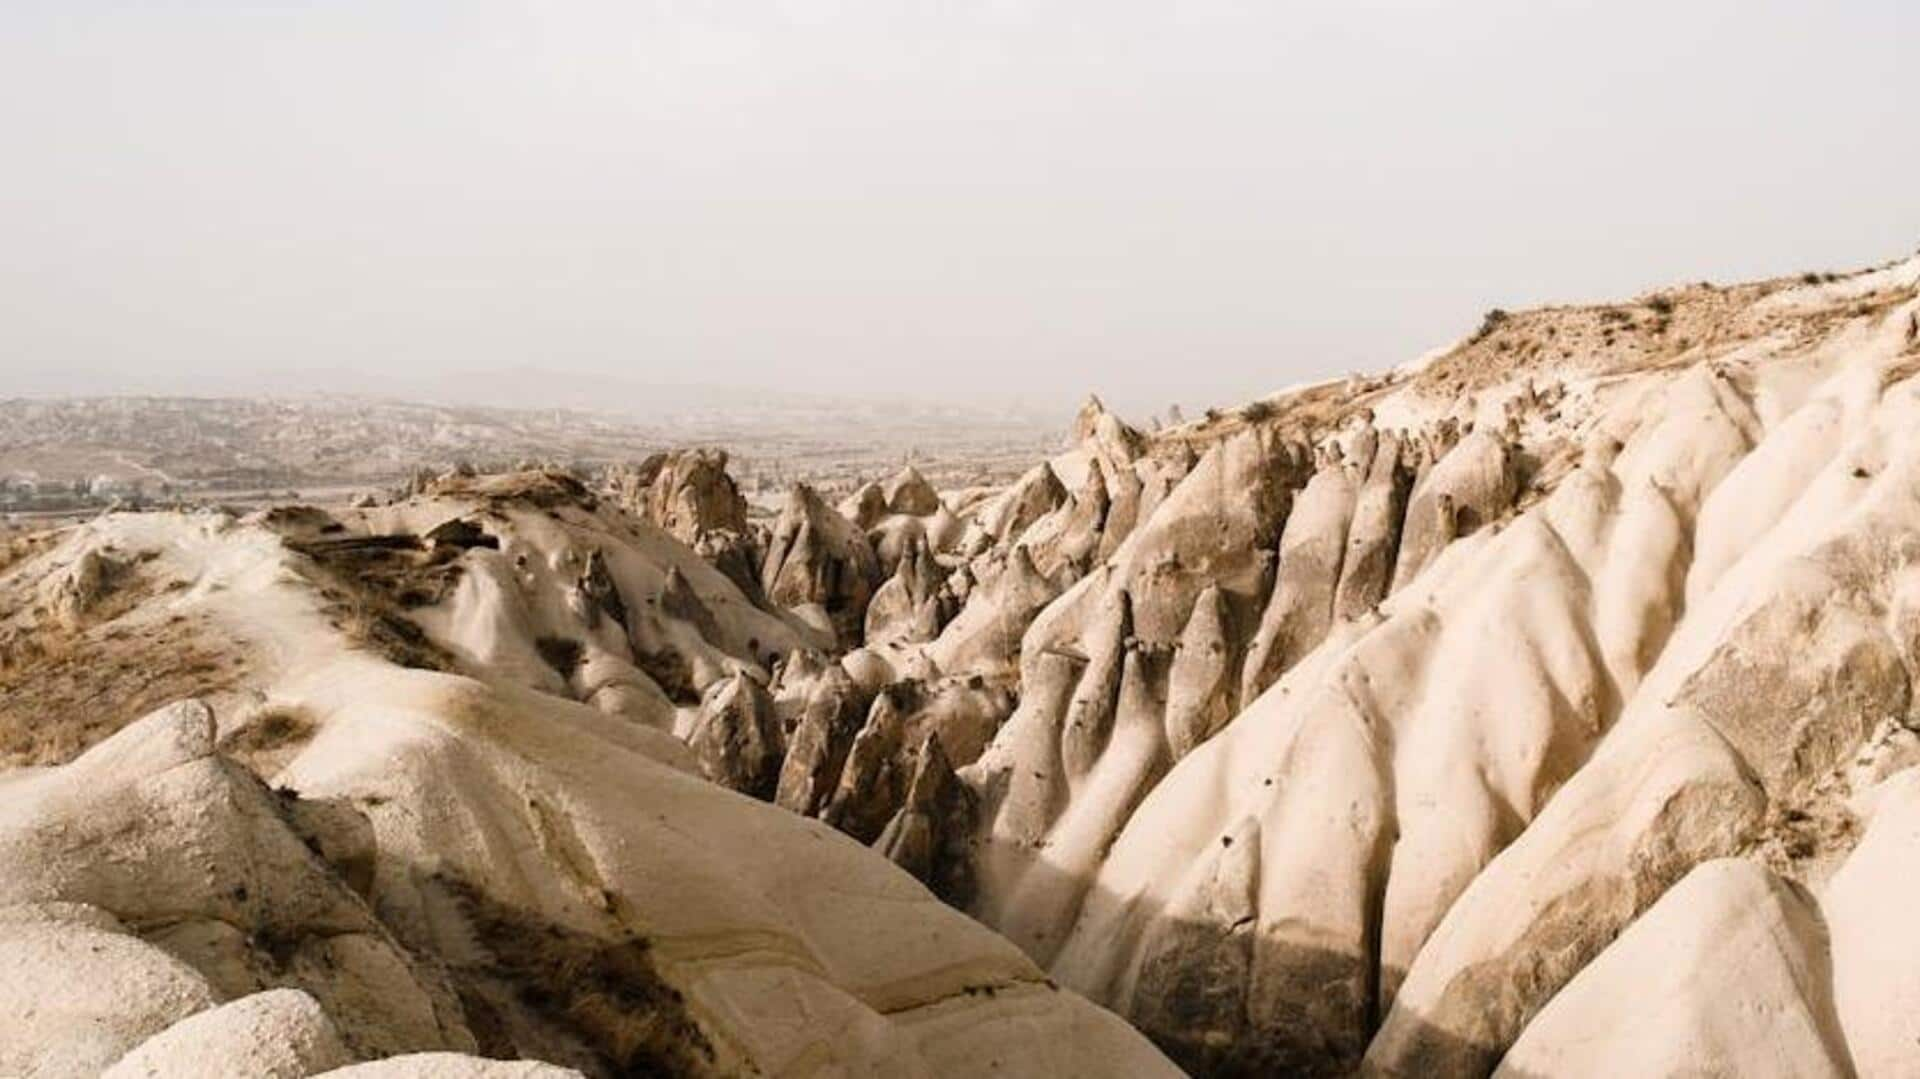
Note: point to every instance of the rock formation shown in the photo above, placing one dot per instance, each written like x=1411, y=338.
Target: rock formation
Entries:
x=817, y=558
x=1353, y=739
x=738, y=738
x=444, y=856
x=1544, y=707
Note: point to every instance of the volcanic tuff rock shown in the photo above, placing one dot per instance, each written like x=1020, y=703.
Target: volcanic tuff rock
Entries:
x=467, y=836
x=687, y=492
x=690, y=494
x=1378, y=713
x=1545, y=706
x=738, y=738
x=817, y=558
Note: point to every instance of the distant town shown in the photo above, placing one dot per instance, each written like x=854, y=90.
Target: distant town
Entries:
x=76, y=456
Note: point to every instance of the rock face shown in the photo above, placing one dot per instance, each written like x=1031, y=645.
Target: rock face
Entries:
x=913, y=605
x=835, y=714
x=177, y=849
x=278, y=1034
x=927, y=836
x=689, y=493
x=738, y=739
x=1724, y=974
x=1366, y=730
x=1543, y=708
x=815, y=557
x=429, y=869
x=909, y=492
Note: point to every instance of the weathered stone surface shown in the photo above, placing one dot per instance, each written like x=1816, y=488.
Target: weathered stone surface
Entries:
x=277, y=1034
x=817, y=556
x=817, y=749
x=738, y=739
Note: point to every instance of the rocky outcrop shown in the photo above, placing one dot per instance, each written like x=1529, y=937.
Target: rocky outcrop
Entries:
x=928, y=836
x=73, y=594
x=836, y=712
x=866, y=506
x=1469, y=487
x=689, y=493
x=1362, y=691
x=1490, y=714
x=1200, y=689
x=276, y=1034
x=1031, y=497
x=177, y=872
x=913, y=605
x=1373, y=532
x=873, y=782
x=1727, y=973
x=908, y=492
x=817, y=557
x=1311, y=552
x=738, y=739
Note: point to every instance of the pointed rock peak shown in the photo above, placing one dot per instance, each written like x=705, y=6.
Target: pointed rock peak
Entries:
x=804, y=501
x=1087, y=420
x=1119, y=438
x=1043, y=476
x=909, y=492
x=597, y=584
x=866, y=506
x=1108, y=433
x=932, y=774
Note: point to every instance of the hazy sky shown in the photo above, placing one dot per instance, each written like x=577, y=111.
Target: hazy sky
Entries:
x=1177, y=201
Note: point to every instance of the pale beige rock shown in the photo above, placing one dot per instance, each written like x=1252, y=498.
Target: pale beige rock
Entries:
x=866, y=506
x=817, y=749
x=986, y=635
x=690, y=494
x=1726, y=975
x=1469, y=487
x=157, y=828
x=873, y=783
x=814, y=555
x=1646, y=609
x=1033, y=496
x=1373, y=533
x=77, y=990
x=451, y=1066
x=1869, y=908
x=1300, y=609
x=738, y=739
x=928, y=836
x=907, y=491
x=278, y=1034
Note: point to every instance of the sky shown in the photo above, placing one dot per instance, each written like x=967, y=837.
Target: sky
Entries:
x=998, y=202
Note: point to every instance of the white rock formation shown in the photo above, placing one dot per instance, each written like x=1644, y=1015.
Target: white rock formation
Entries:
x=1386, y=717
x=473, y=863
x=1544, y=707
